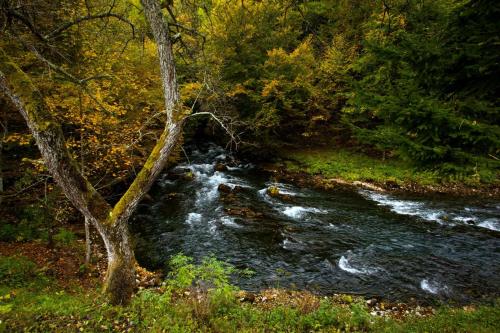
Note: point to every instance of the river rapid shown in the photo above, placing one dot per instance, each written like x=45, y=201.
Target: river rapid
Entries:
x=431, y=248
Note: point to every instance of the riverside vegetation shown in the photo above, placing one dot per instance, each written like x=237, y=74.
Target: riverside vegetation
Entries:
x=97, y=97
x=199, y=298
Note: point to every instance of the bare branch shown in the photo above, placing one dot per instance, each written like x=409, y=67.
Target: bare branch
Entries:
x=13, y=13
x=68, y=25
x=234, y=139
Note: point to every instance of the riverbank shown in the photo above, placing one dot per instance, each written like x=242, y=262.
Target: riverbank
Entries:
x=327, y=168
x=34, y=298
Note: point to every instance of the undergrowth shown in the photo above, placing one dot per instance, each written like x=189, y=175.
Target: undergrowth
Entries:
x=199, y=298
x=353, y=166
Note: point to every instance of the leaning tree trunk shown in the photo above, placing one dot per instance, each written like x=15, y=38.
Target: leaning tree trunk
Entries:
x=111, y=222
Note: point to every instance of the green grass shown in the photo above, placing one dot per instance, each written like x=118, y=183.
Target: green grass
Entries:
x=42, y=307
x=351, y=166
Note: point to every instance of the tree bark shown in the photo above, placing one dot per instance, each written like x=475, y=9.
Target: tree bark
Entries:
x=111, y=223
x=120, y=276
x=2, y=139
x=88, y=249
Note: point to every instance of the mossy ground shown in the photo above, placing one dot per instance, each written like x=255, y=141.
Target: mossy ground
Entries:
x=41, y=304
x=351, y=166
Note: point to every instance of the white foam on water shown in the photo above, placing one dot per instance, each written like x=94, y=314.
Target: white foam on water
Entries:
x=166, y=182
x=210, y=181
x=212, y=227
x=209, y=191
x=203, y=168
x=193, y=218
x=333, y=226
x=406, y=207
x=433, y=287
x=221, y=157
x=263, y=194
x=290, y=244
x=346, y=266
x=298, y=212
x=464, y=218
x=229, y=222
x=246, y=166
x=286, y=244
x=492, y=224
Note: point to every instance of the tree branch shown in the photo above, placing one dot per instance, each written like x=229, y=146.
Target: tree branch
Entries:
x=19, y=89
x=68, y=25
x=174, y=123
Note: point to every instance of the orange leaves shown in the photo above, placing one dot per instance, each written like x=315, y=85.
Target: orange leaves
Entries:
x=20, y=139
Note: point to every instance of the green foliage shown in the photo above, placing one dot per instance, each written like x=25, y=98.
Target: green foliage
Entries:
x=210, y=280
x=7, y=232
x=17, y=271
x=25, y=230
x=354, y=166
x=34, y=223
x=482, y=319
x=417, y=80
x=64, y=312
x=185, y=309
x=65, y=237
x=210, y=272
x=407, y=97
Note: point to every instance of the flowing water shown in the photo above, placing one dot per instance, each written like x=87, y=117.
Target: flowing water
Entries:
x=344, y=240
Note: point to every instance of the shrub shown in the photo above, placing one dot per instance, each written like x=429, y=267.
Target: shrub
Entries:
x=7, y=232
x=17, y=271
x=64, y=237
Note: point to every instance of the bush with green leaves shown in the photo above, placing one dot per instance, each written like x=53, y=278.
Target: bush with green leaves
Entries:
x=17, y=271
x=65, y=237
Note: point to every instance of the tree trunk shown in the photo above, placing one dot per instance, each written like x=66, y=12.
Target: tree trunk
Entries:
x=88, y=250
x=2, y=139
x=110, y=222
x=119, y=283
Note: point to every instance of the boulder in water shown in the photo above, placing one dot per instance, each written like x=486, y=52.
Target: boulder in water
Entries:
x=224, y=188
x=274, y=192
x=220, y=167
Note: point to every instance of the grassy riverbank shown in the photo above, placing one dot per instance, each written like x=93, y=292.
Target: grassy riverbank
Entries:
x=392, y=174
x=32, y=300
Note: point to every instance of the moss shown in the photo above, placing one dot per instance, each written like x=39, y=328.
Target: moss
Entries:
x=273, y=191
x=351, y=166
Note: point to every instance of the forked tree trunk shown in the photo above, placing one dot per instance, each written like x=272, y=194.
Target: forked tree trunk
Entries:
x=111, y=222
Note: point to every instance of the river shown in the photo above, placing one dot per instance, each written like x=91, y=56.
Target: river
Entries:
x=431, y=248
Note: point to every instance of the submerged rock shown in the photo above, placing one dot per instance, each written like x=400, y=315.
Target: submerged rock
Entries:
x=188, y=175
x=243, y=212
x=185, y=174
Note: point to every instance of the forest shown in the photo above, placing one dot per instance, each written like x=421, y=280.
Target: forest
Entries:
x=249, y=166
